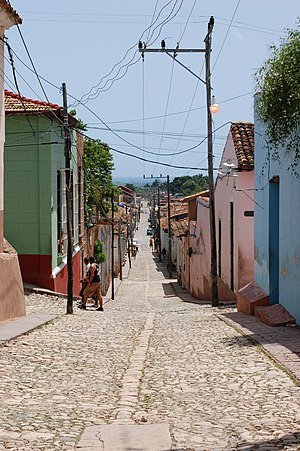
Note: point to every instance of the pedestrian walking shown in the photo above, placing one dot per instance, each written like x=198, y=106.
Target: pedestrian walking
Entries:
x=151, y=244
x=84, y=280
x=93, y=285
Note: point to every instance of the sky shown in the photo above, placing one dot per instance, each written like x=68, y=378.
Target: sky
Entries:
x=154, y=109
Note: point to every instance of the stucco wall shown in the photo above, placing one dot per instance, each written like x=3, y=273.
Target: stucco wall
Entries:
x=12, y=302
x=2, y=130
x=199, y=262
x=289, y=219
x=31, y=197
x=239, y=191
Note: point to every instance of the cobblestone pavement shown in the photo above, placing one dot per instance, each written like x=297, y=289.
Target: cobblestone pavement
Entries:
x=148, y=358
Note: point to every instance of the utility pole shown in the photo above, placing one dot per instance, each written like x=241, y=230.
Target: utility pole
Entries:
x=120, y=250
x=169, y=230
x=112, y=246
x=173, y=53
x=169, y=221
x=158, y=225
x=67, y=148
x=213, y=244
x=127, y=240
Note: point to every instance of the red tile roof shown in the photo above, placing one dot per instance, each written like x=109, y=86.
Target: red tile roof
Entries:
x=16, y=104
x=194, y=196
x=180, y=226
x=243, y=138
x=4, y=5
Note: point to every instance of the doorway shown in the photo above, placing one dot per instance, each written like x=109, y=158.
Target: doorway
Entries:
x=274, y=240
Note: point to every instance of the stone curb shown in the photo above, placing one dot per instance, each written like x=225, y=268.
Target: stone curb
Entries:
x=256, y=339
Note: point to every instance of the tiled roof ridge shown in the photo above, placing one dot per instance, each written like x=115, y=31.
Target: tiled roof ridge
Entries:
x=11, y=11
x=35, y=102
x=243, y=138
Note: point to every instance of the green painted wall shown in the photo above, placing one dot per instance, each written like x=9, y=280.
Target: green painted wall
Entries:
x=30, y=193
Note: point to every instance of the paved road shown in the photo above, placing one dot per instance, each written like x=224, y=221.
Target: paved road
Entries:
x=148, y=358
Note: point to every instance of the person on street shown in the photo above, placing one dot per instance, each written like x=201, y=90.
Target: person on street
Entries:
x=84, y=279
x=93, y=285
x=151, y=244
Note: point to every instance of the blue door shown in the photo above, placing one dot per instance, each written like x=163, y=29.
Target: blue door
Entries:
x=274, y=240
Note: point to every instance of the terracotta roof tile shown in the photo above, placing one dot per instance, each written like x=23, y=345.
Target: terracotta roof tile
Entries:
x=243, y=138
x=4, y=5
x=194, y=196
x=180, y=227
x=16, y=104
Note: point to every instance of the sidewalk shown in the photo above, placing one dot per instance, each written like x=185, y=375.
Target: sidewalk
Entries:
x=282, y=344
x=19, y=326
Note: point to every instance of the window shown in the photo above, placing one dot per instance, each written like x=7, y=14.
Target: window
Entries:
x=61, y=213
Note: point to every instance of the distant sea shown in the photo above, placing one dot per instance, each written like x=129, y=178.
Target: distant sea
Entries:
x=137, y=181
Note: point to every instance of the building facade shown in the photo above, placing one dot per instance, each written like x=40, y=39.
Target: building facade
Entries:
x=35, y=192
x=12, y=301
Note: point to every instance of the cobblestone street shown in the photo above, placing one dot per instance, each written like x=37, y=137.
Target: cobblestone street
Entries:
x=148, y=358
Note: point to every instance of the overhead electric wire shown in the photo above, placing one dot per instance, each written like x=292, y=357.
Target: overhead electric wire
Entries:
x=187, y=21
x=179, y=40
x=107, y=127
x=218, y=56
x=10, y=53
x=32, y=63
x=82, y=99
x=166, y=109
x=131, y=144
x=131, y=62
x=152, y=19
x=178, y=112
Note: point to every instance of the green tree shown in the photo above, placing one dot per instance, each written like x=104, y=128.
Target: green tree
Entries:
x=81, y=126
x=188, y=185
x=278, y=104
x=98, y=167
x=132, y=187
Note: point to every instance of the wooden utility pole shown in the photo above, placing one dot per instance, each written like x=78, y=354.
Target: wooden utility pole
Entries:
x=120, y=250
x=158, y=225
x=127, y=240
x=67, y=141
x=169, y=229
x=112, y=246
x=213, y=244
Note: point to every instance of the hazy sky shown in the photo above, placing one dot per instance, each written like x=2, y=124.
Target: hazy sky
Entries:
x=157, y=105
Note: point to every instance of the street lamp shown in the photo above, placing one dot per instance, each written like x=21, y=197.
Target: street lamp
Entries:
x=214, y=108
x=207, y=51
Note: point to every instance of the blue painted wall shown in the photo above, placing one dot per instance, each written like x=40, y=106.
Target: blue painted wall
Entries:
x=265, y=228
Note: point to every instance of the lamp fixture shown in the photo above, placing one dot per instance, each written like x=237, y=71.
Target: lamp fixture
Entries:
x=214, y=107
x=229, y=164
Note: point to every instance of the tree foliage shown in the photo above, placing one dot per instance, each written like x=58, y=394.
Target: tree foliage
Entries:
x=187, y=185
x=98, y=167
x=278, y=81
x=132, y=187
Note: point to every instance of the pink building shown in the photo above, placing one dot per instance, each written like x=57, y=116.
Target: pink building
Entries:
x=234, y=221
x=234, y=195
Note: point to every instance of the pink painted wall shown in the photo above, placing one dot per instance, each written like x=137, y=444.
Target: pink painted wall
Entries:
x=239, y=191
x=12, y=301
x=199, y=262
x=2, y=131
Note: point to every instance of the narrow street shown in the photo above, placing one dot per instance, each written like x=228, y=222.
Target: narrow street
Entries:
x=148, y=359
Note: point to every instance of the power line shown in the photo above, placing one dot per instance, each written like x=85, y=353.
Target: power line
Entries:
x=234, y=13
x=87, y=95
x=187, y=21
x=179, y=112
x=10, y=53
